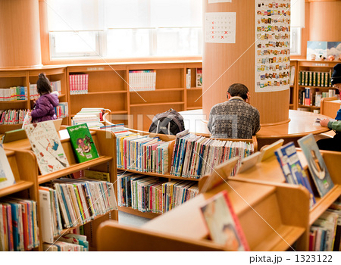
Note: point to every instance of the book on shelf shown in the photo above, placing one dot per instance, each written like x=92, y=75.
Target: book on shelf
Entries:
x=195, y=156
x=316, y=164
x=82, y=142
x=79, y=84
x=12, y=116
x=77, y=201
x=188, y=79
x=223, y=224
x=18, y=224
x=142, y=80
x=68, y=242
x=316, y=79
x=91, y=116
x=62, y=110
x=150, y=194
x=46, y=146
x=93, y=174
x=336, y=208
x=6, y=175
x=292, y=75
x=14, y=93
x=198, y=77
x=292, y=169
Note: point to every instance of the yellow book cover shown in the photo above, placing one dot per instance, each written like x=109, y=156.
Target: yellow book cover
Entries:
x=92, y=174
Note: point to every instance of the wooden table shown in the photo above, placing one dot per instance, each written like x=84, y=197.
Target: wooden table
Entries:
x=301, y=123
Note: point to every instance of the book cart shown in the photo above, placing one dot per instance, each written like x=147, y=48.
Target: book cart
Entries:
x=105, y=144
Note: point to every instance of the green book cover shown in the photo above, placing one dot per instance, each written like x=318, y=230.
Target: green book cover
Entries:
x=82, y=143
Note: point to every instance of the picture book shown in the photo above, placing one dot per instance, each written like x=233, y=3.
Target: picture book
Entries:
x=46, y=146
x=82, y=143
x=6, y=174
x=223, y=223
x=292, y=169
x=316, y=165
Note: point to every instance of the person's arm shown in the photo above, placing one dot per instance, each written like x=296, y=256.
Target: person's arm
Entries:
x=256, y=124
x=43, y=110
x=210, y=121
x=334, y=125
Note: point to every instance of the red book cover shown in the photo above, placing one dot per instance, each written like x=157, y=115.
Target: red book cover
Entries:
x=223, y=223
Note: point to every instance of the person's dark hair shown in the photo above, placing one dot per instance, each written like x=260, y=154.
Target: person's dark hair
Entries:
x=43, y=84
x=238, y=89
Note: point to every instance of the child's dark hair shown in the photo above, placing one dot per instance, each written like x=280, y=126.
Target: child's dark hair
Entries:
x=43, y=84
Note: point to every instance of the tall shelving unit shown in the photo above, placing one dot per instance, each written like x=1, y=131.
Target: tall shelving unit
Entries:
x=24, y=77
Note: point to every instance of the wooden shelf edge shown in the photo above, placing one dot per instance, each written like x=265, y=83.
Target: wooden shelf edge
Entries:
x=18, y=186
x=282, y=241
x=152, y=174
x=323, y=204
x=157, y=104
x=73, y=168
x=157, y=90
x=130, y=210
x=100, y=93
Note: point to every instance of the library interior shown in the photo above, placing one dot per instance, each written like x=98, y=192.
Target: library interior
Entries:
x=127, y=163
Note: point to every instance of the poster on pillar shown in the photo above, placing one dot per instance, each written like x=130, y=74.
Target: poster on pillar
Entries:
x=272, y=45
x=220, y=27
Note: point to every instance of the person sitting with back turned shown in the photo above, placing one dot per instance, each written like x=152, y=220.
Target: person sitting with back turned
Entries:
x=234, y=118
x=333, y=144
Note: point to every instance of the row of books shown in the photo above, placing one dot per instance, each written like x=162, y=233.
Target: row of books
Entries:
x=142, y=80
x=198, y=78
x=149, y=194
x=18, y=225
x=13, y=93
x=141, y=152
x=325, y=233
x=68, y=242
x=72, y=202
x=79, y=84
x=15, y=116
x=312, y=78
x=61, y=110
x=195, y=156
x=56, y=86
x=308, y=98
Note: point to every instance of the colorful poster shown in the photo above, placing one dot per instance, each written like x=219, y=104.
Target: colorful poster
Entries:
x=272, y=45
x=220, y=27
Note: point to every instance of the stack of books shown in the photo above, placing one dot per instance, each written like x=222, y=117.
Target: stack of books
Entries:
x=68, y=242
x=13, y=93
x=91, y=116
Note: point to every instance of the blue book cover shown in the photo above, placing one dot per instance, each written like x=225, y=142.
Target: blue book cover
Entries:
x=292, y=168
x=15, y=222
x=316, y=164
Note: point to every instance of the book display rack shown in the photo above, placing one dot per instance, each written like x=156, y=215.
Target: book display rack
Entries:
x=24, y=166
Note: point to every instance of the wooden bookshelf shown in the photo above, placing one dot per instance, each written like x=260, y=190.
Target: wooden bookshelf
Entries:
x=23, y=166
x=28, y=176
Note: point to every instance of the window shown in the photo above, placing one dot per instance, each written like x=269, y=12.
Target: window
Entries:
x=124, y=28
x=295, y=41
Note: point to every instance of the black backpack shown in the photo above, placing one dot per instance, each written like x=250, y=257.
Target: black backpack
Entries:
x=168, y=122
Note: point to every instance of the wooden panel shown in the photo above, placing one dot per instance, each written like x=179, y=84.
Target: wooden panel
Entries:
x=328, y=12
x=107, y=81
x=329, y=106
x=169, y=78
x=19, y=33
x=225, y=64
x=112, y=101
x=157, y=96
x=12, y=81
x=194, y=99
